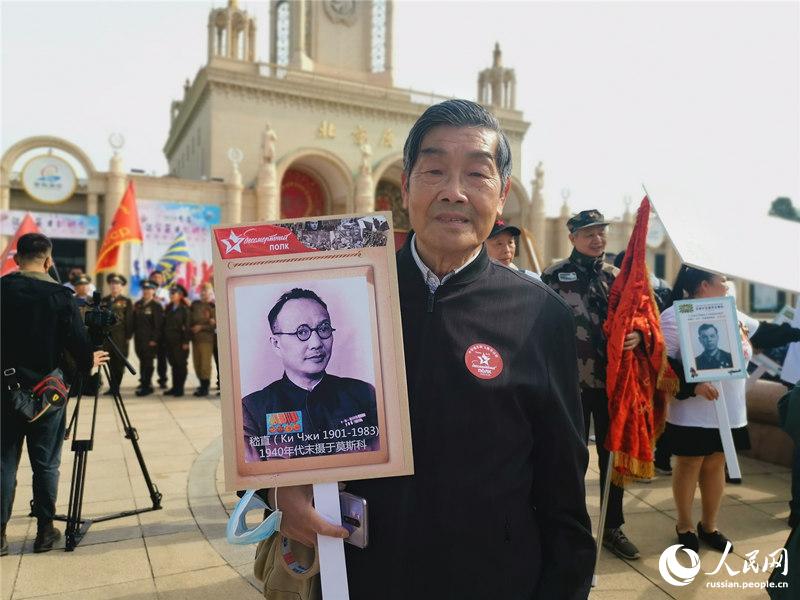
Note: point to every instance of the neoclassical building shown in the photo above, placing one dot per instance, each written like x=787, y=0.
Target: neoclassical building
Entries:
x=316, y=130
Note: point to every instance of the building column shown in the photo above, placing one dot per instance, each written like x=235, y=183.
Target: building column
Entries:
x=364, y=200
x=91, y=245
x=233, y=204
x=267, y=198
x=114, y=192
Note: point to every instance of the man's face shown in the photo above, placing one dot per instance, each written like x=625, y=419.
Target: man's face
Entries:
x=309, y=357
x=158, y=279
x=453, y=194
x=116, y=288
x=176, y=297
x=502, y=247
x=82, y=289
x=206, y=294
x=148, y=293
x=590, y=241
x=709, y=338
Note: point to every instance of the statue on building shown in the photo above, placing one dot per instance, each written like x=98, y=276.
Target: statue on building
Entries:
x=366, y=163
x=268, y=142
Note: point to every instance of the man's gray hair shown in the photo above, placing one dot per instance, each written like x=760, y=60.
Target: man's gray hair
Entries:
x=457, y=113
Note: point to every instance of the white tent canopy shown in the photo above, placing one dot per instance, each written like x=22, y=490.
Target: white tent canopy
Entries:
x=722, y=237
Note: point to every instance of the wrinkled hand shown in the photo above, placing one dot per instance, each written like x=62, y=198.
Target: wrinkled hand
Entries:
x=100, y=357
x=632, y=340
x=300, y=520
x=707, y=391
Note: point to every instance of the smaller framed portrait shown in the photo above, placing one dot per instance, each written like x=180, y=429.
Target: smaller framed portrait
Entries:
x=310, y=345
x=710, y=339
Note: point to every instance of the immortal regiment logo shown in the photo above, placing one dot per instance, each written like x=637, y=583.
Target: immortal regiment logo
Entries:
x=264, y=240
x=676, y=574
x=483, y=361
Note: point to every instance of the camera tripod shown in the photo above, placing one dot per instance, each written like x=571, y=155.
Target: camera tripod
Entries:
x=76, y=525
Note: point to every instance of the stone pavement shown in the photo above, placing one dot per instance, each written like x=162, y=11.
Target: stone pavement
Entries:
x=181, y=552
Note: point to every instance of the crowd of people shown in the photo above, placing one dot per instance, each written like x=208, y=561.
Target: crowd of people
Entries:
x=502, y=516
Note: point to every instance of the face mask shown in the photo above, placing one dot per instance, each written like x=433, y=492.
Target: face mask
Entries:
x=237, y=531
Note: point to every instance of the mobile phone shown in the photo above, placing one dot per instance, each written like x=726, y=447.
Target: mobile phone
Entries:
x=354, y=519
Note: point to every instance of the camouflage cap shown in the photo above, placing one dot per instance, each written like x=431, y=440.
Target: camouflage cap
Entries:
x=586, y=218
x=116, y=278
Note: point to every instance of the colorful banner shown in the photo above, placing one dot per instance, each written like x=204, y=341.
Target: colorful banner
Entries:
x=161, y=224
x=59, y=226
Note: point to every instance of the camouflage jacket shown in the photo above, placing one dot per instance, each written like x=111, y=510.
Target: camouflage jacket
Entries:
x=584, y=282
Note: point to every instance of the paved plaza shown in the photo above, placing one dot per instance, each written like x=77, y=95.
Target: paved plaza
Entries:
x=181, y=552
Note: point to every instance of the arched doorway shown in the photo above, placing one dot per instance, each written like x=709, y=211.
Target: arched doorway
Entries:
x=388, y=198
x=301, y=195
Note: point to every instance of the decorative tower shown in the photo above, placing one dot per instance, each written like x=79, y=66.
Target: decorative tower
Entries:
x=537, y=219
x=497, y=86
x=231, y=34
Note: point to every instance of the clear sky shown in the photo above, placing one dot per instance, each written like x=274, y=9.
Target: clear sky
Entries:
x=705, y=96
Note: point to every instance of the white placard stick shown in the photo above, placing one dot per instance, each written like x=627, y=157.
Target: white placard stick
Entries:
x=330, y=550
x=725, y=433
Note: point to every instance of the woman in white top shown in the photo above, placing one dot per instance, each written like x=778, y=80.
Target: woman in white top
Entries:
x=692, y=431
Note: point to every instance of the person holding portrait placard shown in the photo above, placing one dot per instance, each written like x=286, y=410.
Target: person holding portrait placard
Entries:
x=692, y=429
x=496, y=507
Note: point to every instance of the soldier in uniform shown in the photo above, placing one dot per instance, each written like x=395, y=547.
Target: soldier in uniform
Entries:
x=148, y=321
x=122, y=331
x=203, y=325
x=583, y=280
x=176, y=338
x=712, y=357
x=83, y=293
x=162, y=297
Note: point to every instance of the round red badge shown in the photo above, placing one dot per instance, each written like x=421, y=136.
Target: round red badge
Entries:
x=483, y=361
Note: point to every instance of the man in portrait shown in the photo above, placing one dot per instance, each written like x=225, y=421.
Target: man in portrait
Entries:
x=712, y=357
x=306, y=399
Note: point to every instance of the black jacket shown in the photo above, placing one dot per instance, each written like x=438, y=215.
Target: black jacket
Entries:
x=40, y=321
x=496, y=506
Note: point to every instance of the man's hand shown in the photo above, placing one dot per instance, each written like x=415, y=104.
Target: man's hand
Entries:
x=196, y=328
x=707, y=391
x=300, y=520
x=633, y=339
x=100, y=357
x=152, y=344
x=185, y=346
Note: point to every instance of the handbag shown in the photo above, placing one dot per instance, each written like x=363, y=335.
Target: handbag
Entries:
x=49, y=393
x=278, y=566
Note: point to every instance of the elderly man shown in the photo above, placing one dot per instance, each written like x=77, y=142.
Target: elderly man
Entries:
x=712, y=357
x=307, y=398
x=496, y=506
x=583, y=280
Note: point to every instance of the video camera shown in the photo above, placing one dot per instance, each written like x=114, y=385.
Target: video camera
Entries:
x=99, y=319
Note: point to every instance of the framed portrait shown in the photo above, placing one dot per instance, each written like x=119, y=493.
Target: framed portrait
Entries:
x=311, y=356
x=710, y=339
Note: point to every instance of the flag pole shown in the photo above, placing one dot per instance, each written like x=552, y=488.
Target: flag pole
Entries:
x=601, y=523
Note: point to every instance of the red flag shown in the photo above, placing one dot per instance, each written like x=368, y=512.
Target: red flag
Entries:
x=125, y=227
x=638, y=381
x=28, y=225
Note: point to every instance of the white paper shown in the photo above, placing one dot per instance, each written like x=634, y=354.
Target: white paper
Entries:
x=332, y=567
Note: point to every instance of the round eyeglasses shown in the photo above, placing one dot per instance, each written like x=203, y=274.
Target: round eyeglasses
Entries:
x=324, y=331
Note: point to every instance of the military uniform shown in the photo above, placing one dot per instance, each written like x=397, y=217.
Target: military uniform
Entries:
x=203, y=314
x=148, y=321
x=162, y=297
x=584, y=282
x=714, y=360
x=121, y=332
x=177, y=335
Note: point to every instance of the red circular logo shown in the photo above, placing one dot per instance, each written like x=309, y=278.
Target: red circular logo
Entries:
x=483, y=361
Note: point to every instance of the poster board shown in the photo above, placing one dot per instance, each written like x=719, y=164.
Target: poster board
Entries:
x=313, y=381
x=710, y=340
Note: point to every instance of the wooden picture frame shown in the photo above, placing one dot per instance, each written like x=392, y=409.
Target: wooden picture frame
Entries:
x=278, y=429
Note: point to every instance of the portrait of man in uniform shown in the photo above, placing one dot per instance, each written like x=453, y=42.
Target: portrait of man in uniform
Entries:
x=712, y=356
x=307, y=403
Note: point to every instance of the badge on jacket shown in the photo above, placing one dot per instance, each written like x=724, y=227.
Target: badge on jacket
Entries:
x=567, y=276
